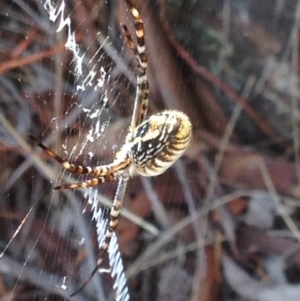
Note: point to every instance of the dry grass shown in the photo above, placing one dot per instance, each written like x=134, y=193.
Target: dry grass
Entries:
x=217, y=225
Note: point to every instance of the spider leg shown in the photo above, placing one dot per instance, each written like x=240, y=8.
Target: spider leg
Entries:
x=87, y=183
x=142, y=93
x=141, y=59
x=113, y=222
x=139, y=115
x=97, y=171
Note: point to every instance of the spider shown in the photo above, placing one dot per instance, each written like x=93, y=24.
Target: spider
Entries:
x=151, y=146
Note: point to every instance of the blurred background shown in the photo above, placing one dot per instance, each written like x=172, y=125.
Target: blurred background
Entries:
x=223, y=223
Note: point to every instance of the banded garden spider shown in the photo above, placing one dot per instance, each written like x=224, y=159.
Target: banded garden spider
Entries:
x=151, y=146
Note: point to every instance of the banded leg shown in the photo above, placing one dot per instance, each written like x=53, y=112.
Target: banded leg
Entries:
x=142, y=92
x=87, y=183
x=111, y=227
x=98, y=171
x=139, y=115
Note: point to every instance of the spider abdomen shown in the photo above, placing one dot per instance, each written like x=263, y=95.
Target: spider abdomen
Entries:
x=159, y=141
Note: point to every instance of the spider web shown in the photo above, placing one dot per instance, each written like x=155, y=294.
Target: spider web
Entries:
x=89, y=93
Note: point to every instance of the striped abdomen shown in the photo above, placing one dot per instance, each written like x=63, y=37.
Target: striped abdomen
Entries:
x=159, y=141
